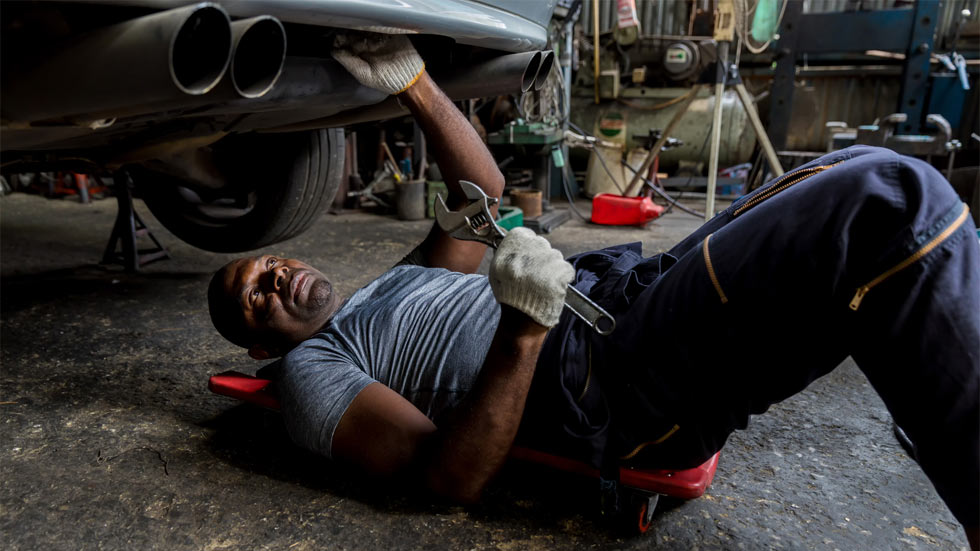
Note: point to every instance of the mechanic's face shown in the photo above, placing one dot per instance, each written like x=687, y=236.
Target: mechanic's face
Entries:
x=283, y=301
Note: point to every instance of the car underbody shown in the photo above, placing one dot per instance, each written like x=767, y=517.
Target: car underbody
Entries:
x=217, y=111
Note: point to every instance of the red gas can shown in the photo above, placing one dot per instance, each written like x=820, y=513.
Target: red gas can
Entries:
x=616, y=210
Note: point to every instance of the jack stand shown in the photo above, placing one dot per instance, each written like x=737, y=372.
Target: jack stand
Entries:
x=127, y=228
x=550, y=217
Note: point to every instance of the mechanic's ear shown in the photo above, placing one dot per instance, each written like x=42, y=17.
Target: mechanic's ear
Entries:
x=259, y=352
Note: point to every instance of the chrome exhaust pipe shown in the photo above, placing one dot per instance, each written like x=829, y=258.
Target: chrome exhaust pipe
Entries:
x=111, y=72
x=258, y=53
x=544, y=69
x=507, y=74
x=259, y=46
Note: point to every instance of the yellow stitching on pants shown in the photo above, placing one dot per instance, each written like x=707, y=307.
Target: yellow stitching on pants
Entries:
x=711, y=270
x=639, y=448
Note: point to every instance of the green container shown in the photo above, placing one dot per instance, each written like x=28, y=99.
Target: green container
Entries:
x=510, y=217
x=432, y=189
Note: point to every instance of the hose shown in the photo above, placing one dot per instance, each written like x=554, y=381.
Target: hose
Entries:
x=646, y=181
x=665, y=195
x=568, y=195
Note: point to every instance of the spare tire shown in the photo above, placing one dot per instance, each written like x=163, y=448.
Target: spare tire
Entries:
x=278, y=185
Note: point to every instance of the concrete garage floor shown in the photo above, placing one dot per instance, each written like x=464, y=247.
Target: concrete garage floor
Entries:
x=109, y=438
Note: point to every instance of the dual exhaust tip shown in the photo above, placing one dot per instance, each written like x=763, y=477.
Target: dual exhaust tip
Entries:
x=252, y=51
x=537, y=71
x=206, y=45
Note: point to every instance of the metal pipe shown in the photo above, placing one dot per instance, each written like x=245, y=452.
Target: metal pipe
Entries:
x=595, y=47
x=508, y=74
x=257, y=60
x=259, y=53
x=513, y=73
x=107, y=72
x=709, y=204
x=565, y=63
x=544, y=69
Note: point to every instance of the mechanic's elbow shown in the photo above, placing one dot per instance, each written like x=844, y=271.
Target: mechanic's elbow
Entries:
x=494, y=184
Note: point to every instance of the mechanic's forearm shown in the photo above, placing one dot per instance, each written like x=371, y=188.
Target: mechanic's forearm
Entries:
x=454, y=143
x=475, y=445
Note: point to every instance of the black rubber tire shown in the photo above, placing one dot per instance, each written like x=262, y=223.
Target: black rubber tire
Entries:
x=283, y=183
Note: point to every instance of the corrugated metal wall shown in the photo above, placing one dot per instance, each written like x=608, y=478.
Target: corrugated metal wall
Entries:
x=670, y=17
x=657, y=17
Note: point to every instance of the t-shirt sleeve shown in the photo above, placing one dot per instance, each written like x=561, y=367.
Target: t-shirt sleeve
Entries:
x=315, y=390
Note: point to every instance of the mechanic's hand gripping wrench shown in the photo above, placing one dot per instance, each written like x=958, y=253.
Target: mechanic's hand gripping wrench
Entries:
x=475, y=223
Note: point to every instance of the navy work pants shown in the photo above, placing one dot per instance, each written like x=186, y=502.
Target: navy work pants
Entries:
x=860, y=253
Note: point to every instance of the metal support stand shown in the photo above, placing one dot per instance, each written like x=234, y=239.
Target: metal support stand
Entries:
x=720, y=75
x=728, y=74
x=127, y=228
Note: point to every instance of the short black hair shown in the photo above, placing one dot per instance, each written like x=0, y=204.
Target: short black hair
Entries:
x=226, y=311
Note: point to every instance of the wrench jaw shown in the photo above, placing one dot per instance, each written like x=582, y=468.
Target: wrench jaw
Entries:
x=473, y=192
x=448, y=220
x=472, y=223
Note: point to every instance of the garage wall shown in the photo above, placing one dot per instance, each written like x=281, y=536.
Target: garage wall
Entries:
x=670, y=17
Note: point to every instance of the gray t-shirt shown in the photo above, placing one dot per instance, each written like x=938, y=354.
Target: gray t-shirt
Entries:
x=423, y=332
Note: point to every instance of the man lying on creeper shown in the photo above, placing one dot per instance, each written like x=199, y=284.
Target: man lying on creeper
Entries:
x=431, y=370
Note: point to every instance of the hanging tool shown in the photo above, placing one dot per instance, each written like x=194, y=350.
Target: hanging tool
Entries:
x=474, y=222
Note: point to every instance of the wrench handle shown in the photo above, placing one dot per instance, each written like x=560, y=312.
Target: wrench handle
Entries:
x=588, y=311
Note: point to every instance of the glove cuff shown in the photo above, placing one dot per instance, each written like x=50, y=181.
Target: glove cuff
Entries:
x=541, y=309
x=414, y=79
x=400, y=74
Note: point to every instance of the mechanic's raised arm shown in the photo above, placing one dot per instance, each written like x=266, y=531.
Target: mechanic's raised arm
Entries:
x=391, y=64
x=382, y=433
x=461, y=155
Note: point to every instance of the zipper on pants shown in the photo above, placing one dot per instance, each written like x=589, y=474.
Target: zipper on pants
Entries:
x=915, y=257
x=787, y=181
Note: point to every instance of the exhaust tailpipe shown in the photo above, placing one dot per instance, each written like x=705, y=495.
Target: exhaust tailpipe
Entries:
x=507, y=74
x=544, y=69
x=112, y=71
x=259, y=53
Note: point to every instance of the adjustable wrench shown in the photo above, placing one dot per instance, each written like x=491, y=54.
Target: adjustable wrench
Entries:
x=474, y=222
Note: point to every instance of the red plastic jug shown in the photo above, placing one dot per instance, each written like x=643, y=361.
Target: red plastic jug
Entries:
x=616, y=210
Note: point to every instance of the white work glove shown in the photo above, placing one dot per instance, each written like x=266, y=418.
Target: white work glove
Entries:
x=527, y=274
x=386, y=62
